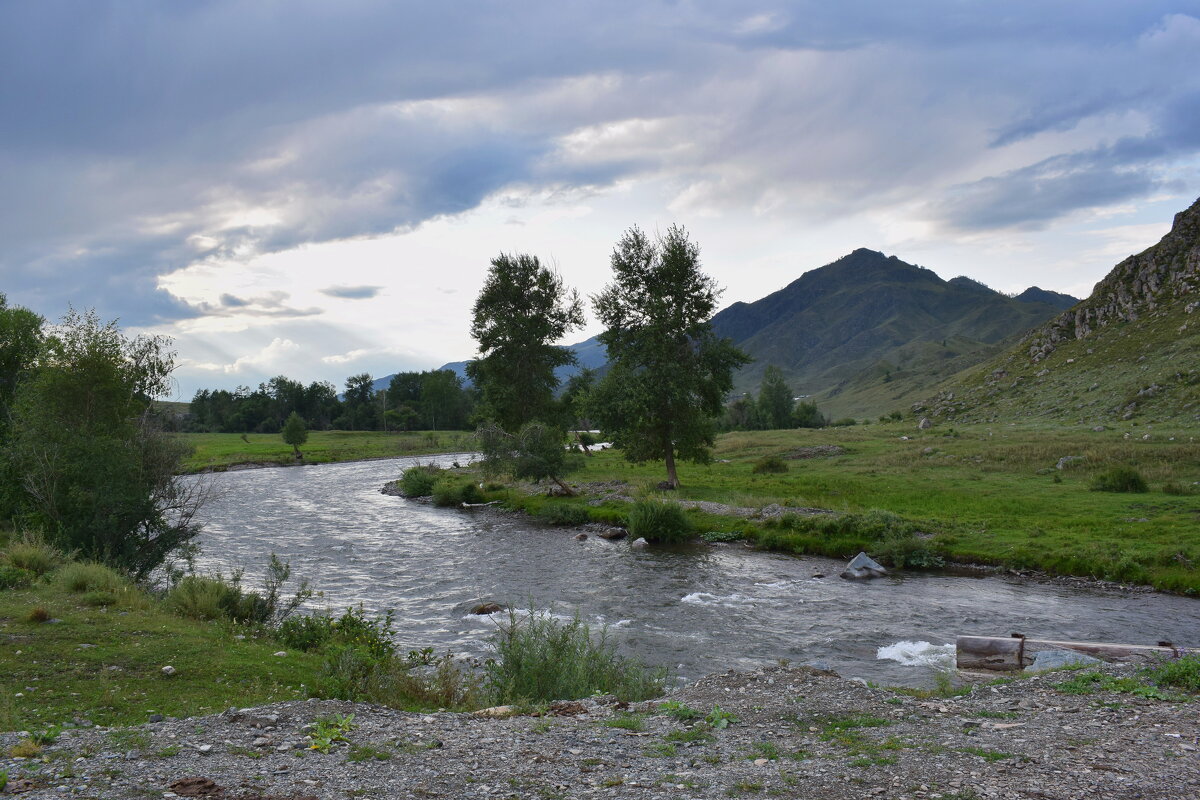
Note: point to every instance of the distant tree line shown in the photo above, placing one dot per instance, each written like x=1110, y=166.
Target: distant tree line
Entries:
x=773, y=409
x=431, y=400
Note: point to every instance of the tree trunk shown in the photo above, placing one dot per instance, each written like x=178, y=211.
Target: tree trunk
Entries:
x=672, y=475
x=566, y=489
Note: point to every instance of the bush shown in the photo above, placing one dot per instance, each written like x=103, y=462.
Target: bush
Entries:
x=844, y=422
x=658, y=522
x=33, y=556
x=450, y=490
x=539, y=659
x=15, y=577
x=81, y=577
x=561, y=514
x=306, y=632
x=418, y=481
x=911, y=552
x=1171, y=487
x=769, y=464
x=1119, y=479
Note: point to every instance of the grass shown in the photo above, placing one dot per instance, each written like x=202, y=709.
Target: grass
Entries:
x=219, y=451
x=986, y=495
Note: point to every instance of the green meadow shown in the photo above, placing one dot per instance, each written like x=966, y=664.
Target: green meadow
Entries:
x=976, y=494
x=219, y=451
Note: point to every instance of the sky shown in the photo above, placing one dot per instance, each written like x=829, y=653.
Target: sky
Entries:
x=316, y=189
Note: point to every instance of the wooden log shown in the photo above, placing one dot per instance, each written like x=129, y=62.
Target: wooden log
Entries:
x=1016, y=652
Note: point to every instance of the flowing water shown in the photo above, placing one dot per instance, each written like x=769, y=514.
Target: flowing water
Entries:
x=696, y=609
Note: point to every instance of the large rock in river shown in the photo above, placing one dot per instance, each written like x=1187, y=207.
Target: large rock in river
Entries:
x=863, y=566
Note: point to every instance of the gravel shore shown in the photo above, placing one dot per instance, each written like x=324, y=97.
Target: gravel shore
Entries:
x=798, y=733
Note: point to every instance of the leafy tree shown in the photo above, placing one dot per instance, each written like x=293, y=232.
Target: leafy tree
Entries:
x=669, y=372
x=20, y=340
x=535, y=453
x=522, y=310
x=807, y=415
x=295, y=432
x=94, y=473
x=775, y=400
x=358, y=406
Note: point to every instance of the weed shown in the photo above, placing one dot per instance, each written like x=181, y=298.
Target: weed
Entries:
x=744, y=787
x=170, y=751
x=81, y=577
x=3, y=779
x=679, y=711
x=564, y=514
x=664, y=750
x=99, y=599
x=238, y=750
x=769, y=465
x=366, y=752
x=26, y=748
x=719, y=719
x=1180, y=673
x=996, y=714
x=697, y=735
x=15, y=577
x=629, y=722
x=767, y=750
x=722, y=536
x=129, y=739
x=873, y=761
x=614, y=780
x=38, y=614
x=327, y=730
x=540, y=658
x=1090, y=682
x=46, y=737
x=1119, y=479
x=451, y=490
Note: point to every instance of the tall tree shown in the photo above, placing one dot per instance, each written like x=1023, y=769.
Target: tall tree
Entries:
x=775, y=401
x=359, y=403
x=669, y=372
x=522, y=310
x=94, y=472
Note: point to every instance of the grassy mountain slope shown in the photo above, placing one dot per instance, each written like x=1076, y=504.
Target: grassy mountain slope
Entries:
x=869, y=333
x=1130, y=351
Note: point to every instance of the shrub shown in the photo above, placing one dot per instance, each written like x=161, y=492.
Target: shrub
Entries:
x=306, y=633
x=38, y=614
x=449, y=490
x=15, y=577
x=33, y=556
x=658, y=522
x=100, y=598
x=722, y=536
x=540, y=659
x=907, y=551
x=844, y=422
x=1119, y=479
x=1171, y=487
x=769, y=465
x=559, y=514
x=418, y=481
x=83, y=577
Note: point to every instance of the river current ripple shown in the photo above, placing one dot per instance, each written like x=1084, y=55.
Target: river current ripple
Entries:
x=697, y=610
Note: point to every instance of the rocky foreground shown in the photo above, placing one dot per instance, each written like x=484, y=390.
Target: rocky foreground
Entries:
x=797, y=733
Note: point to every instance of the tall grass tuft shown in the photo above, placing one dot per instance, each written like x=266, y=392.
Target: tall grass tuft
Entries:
x=206, y=598
x=769, y=465
x=1119, y=479
x=538, y=659
x=450, y=490
x=659, y=522
x=32, y=555
x=81, y=577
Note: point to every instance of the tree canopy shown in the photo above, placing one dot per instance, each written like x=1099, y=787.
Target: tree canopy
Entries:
x=91, y=468
x=522, y=310
x=669, y=373
x=775, y=401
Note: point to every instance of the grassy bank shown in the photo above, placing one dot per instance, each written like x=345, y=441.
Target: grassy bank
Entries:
x=217, y=451
x=82, y=645
x=976, y=494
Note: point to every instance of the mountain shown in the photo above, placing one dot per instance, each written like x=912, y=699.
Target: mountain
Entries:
x=1037, y=295
x=870, y=333
x=1130, y=351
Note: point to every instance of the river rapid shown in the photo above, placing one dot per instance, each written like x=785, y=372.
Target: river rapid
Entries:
x=695, y=609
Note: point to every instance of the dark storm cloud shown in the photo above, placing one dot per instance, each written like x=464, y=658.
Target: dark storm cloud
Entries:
x=136, y=136
x=353, y=292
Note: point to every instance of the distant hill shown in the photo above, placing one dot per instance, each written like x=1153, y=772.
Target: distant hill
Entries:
x=1035, y=295
x=870, y=333
x=1130, y=351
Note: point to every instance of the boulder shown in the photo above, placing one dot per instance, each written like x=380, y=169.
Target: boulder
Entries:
x=862, y=566
x=639, y=543
x=1057, y=659
x=613, y=534
x=581, y=537
x=924, y=424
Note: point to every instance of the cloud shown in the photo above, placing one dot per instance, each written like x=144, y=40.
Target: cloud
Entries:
x=352, y=292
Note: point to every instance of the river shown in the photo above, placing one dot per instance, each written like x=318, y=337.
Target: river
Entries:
x=695, y=609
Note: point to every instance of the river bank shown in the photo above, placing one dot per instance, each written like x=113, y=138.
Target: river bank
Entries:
x=787, y=732
x=219, y=452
